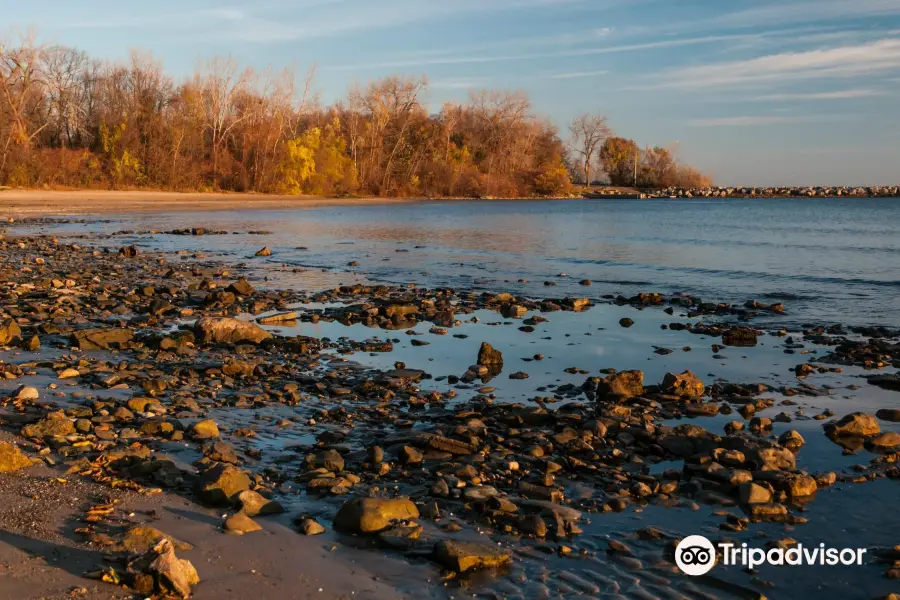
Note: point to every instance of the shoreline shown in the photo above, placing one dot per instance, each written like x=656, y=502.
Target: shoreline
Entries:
x=15, y=202
x=527, y=482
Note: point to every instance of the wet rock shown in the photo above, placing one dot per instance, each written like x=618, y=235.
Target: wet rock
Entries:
x=330, y=460
x=768, y=512
x=26, y=393
x=255, y=504
x=489, y=357
x=219, y=451
x=891, y=415
x=625, y=384
x=54, y=424
x=886, y=381
x=462, y=556
x=241, y=287
x=371, y=515
x=888, y=439
x=10, y=333
x=239, y=524
x=854, y=424
x=739, y=336
x=752, y=493
x=68, y=374
x=101, y=339
x=204, y=430
x=791, y=439
x=683, y=384
x=161, y=572
x=228, y=331
x=277, y=318
x=12, y=459
x=801, y=486
x=33, y=343
x=221, y=485
x=309, y=526
x=626, y=322
x=128, y=251
x=264, y=252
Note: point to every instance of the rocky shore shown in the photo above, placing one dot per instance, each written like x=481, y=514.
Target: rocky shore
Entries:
x=766, y=192
x=150, y=375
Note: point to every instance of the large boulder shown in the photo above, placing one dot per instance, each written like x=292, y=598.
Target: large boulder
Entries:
x=683, y=384
x=489, y=356
x=10, y=333
x=625, y=384
x=12, y=459
x=54, y=424
x=371, y=515
x=855, y=424
x=221, y=485
x=229, y=331
x=101, y=339
x=467, y=556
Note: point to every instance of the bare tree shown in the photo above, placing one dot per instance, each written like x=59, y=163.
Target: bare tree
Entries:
x=221, y=83
x=22, y=93
x=588, y=133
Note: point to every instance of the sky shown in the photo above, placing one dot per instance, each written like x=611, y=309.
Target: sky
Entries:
x=755, y=92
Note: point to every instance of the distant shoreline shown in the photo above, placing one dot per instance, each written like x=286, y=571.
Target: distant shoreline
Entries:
x=16, y=202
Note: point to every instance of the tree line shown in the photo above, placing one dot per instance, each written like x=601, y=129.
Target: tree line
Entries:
x=68, y=120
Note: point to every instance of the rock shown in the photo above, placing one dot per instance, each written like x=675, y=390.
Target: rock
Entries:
x=739, y=336
x=10, y=332
x=228, y=331
x=801, y=486
x=204, y=430
x=855, y=424
x=752, y=493
x=889, y=414
x=172, y=575
x=101, y=339
x=26, y=393
x=54, y=424
x=12, y=459
x=221, y=485
x=683, y=384
x=625, y=384
x=886, y=381
x=219, y=451
x=69, y=374
x=241, y=287
x=33, y=343
x=791, y=439
x=371, y=515
x=489, y=357
x=140, y=539
x=254, y=504
x=467, y=556
x=626, y=322
x=330, y=460
x=128, y=251
x=239, y=523
x=310, y=526
x=283, y=317
x=264, y=252
x=888, y=439
x=768, y=512
x=410, y=456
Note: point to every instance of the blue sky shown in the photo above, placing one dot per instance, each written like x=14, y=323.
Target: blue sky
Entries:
x=763, y=92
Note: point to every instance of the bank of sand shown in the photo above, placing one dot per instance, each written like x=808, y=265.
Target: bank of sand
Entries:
x=39, y=202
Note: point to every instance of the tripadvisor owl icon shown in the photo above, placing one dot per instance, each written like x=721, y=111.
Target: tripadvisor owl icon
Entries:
x=695, y=555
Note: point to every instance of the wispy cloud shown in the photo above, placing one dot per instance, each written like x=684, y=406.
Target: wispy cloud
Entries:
x=839, y=62
x=457, y=60
x=753, y=120
x=810, y=11
x=803, y=96
x=578, y=74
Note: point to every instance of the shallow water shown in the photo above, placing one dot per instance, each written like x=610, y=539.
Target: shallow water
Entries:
x=829, y=260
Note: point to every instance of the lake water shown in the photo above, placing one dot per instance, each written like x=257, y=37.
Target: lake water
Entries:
x=829, y=260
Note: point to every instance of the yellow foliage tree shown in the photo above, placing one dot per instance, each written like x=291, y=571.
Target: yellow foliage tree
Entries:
x=317, y=163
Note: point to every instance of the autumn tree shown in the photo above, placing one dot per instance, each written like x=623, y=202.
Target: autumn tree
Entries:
x=588, y=133
x=619, y=158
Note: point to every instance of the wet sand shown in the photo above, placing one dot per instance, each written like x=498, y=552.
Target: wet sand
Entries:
x=99, y=202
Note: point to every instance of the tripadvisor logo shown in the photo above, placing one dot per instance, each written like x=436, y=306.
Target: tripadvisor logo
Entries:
x=695, y=555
